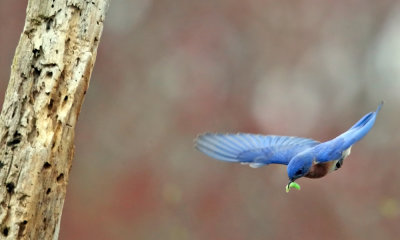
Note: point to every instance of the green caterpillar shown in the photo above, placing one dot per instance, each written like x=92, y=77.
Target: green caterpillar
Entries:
x=292, y=185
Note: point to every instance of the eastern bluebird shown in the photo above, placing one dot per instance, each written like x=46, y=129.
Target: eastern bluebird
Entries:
x=304, y=157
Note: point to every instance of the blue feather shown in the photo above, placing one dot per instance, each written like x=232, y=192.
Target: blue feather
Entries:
x=256, y=150
x=333, y=149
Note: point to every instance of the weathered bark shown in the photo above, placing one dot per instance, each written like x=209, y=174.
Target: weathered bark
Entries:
x=49, y=78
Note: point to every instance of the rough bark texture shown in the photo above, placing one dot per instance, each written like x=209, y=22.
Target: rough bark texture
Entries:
x=49, y=78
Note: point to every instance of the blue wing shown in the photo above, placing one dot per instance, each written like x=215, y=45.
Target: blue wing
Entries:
x=256, y=150
x=333, y=149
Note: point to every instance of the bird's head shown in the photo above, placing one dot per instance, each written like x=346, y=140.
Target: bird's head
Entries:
x=298, y=167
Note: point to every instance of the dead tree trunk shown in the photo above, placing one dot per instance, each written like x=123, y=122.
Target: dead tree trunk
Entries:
x=49, y=78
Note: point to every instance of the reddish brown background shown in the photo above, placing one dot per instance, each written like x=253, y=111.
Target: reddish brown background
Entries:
x=168, y=70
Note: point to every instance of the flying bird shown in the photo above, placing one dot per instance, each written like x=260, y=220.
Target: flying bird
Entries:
x=304, y=157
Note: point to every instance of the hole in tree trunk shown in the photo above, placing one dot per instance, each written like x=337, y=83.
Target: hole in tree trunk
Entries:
x=5, y=231
x=60, y=177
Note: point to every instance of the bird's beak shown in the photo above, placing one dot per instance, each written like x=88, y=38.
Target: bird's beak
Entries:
x=292, y=184
x=288, y=186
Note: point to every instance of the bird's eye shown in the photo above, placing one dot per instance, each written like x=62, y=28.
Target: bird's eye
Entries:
x=299, y=172
x=339, y=163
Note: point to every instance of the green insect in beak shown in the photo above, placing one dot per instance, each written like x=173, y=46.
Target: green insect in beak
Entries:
x=292, y=185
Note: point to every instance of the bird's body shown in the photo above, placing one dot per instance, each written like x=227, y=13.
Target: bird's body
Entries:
x=319, y=170
x=304, y=157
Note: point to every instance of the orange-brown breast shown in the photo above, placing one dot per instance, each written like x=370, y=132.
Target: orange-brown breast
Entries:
x=320, y=169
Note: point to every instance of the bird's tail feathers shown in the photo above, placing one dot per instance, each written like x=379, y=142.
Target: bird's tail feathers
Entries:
x=361, y=128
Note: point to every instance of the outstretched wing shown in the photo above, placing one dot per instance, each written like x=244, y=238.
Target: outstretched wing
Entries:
x=333, y=149
x=256, y=150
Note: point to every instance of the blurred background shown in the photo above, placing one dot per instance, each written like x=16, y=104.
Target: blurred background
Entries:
x=169, y=70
